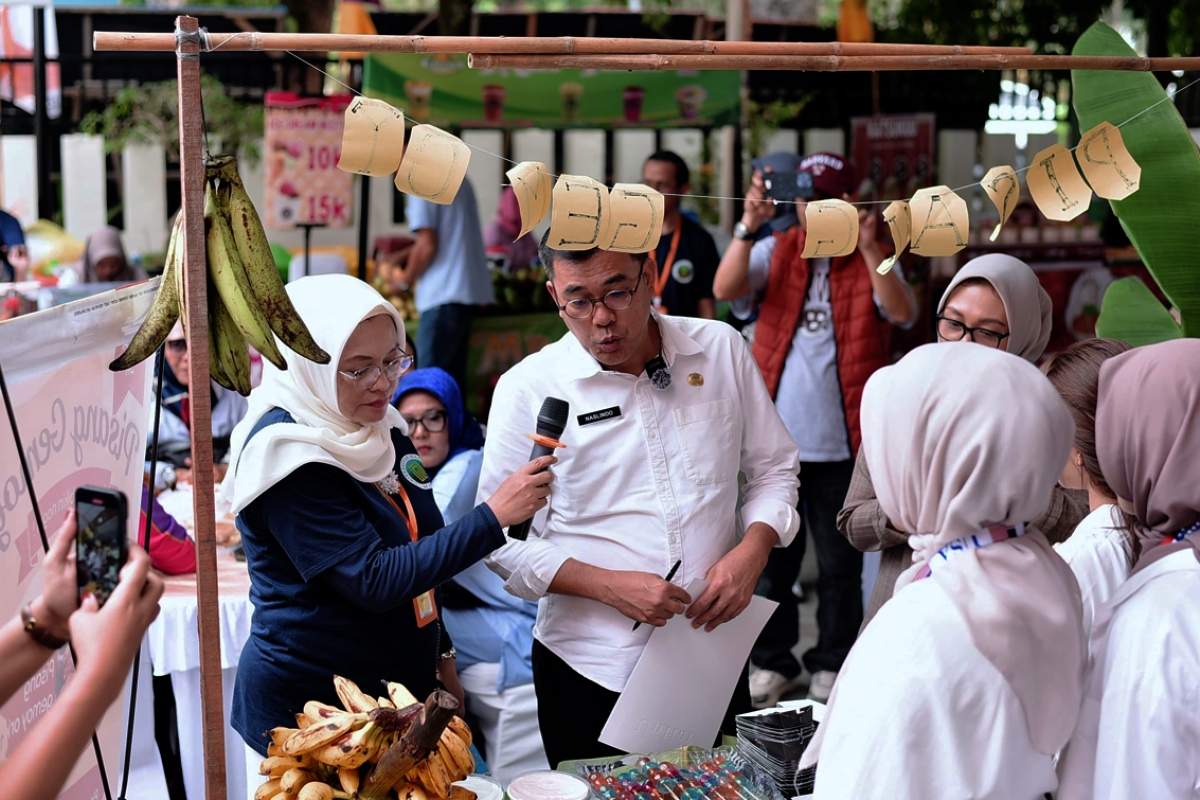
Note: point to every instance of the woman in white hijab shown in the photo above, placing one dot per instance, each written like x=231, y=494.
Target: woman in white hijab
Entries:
x=343, y=537
x=982, y=642
x=1139, y=727
x=995, y=301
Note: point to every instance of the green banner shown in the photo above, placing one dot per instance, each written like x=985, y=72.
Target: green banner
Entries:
x=441, y=90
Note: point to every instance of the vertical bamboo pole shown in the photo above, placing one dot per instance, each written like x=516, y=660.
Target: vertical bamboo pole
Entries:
x=191, y=165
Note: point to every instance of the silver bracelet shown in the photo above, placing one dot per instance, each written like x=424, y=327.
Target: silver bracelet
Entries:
x=451, y=653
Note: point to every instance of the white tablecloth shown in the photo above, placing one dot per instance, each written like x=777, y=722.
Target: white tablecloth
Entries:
x=174, y=647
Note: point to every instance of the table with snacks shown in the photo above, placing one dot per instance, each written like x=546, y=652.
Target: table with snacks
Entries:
x=174, y=647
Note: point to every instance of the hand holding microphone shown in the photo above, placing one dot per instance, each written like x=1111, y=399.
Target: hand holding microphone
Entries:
x=523, y=493
x=551, y=421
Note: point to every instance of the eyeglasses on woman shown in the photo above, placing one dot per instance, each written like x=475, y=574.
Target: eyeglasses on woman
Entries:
x=951, y=330
x=365, y=378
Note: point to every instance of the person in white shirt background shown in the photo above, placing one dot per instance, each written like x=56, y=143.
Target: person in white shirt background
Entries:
x=665, y=413
x=1139, y=726
x=983, y=642
x=1101, y=549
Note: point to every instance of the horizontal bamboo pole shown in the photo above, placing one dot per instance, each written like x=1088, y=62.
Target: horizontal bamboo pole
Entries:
x=541, y=45
x=829, y=63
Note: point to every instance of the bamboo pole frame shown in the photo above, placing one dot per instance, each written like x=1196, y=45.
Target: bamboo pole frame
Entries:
x=828, y=63
x=543, y=45
x=191, y=163
x=485, y=52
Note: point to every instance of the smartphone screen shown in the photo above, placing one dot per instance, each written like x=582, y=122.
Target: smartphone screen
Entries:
x=100, y=549
x=789, y=185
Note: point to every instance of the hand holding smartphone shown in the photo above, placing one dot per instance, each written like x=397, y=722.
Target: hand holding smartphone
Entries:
x=101, y=548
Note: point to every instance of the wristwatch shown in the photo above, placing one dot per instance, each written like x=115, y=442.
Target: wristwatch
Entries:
x=740, y=231
x=449, y=654
x=37, y=631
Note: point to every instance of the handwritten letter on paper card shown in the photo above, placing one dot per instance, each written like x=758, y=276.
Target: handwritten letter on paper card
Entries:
x=899, y=218
x=434, y=165
x=832, y=229
x=1002, y=188
x=579, y=216
x=531, y=184
x=1107, y=164
x=637, y=218
x=372, y=139
x=939, y=220
x=1056, y=185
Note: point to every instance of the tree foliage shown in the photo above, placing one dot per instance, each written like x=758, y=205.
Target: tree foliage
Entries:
x=149, y=114
x=1048, y=27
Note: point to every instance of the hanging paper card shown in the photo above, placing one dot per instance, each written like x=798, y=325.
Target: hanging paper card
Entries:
x=637, y=214
x=580, y=218
x=532, y=185
x=1056, y=185
x=939, y=222
x=372, y=139
x=1003, y=189
x=1107, y=164
x=434, y=165
x=832, y=229
x=899, y=219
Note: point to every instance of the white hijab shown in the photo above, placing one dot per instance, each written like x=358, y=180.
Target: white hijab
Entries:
x=959, y=438
x=332, y=306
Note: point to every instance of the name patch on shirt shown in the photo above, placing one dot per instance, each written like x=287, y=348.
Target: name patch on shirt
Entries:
x=599, y=416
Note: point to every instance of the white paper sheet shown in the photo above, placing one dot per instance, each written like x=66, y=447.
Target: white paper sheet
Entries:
x=680, y=688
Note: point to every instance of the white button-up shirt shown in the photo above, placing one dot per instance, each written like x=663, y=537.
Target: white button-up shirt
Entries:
x=648, y=479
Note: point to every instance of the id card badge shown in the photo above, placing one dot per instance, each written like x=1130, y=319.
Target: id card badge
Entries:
x=425, y=608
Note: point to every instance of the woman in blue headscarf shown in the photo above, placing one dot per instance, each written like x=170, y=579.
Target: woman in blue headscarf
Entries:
x=491, y=629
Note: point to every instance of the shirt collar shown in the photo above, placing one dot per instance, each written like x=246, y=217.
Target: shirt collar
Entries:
x=580, y=364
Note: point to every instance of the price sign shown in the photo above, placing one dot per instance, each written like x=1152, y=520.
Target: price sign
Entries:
x=303, y=144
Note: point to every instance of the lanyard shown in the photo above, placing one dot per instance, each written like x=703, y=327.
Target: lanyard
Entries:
x=982, y=538
x=424, y=607
x=1181, y=535
x=665, y=272
x=407, y=513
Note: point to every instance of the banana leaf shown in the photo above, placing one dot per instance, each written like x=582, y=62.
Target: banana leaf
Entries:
x=1161, y=217
x=1134, y=315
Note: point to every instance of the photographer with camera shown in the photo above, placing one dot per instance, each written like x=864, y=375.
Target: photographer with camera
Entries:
x=105, y=640
x=823, y=328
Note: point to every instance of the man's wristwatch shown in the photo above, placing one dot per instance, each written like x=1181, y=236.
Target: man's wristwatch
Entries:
x=37, y=631
x=740, y=231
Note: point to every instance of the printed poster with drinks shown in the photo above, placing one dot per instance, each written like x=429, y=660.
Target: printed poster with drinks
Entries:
x=303, y=144
x=441, y=90
x=79, y=424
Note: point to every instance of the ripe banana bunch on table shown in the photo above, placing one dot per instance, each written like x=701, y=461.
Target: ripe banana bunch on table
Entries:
x=247, y=301
x=330, y=753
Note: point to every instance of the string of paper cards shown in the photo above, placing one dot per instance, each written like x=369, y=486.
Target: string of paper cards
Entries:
x=584, y=213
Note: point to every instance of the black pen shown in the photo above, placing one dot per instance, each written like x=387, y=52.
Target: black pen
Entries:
x=670, y=575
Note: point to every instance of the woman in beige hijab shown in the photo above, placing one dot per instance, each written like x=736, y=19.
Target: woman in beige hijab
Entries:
x=983, y=640
x=995, y=301
x=104, y=260
x=1139, y=726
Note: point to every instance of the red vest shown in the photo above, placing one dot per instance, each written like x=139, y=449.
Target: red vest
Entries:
x=860, y=333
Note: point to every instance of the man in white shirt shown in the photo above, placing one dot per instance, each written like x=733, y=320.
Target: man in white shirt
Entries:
x=665, y=413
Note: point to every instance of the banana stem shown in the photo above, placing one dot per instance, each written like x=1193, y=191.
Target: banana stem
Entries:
x=414, y=746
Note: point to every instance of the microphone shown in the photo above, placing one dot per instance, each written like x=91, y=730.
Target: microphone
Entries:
x=551, y=421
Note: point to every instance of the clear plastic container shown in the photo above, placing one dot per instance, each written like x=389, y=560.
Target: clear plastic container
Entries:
x=545, y=784
x=485, y=788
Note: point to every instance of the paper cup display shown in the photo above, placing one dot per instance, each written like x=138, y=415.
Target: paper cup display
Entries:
x=632, y=99
x=690, y=100
x=571, y=95
x=419, y=95
x=493, y=102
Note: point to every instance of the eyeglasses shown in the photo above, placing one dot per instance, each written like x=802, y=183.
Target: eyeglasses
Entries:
x=432, y=421
x=365, y=378
x=951, y=330
x=177, y=345
x=616, y=300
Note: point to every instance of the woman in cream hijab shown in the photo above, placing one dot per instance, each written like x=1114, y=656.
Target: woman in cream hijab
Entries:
x=1139, y=726
x=344, y=541
x=968, y=683
x=995, y=301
